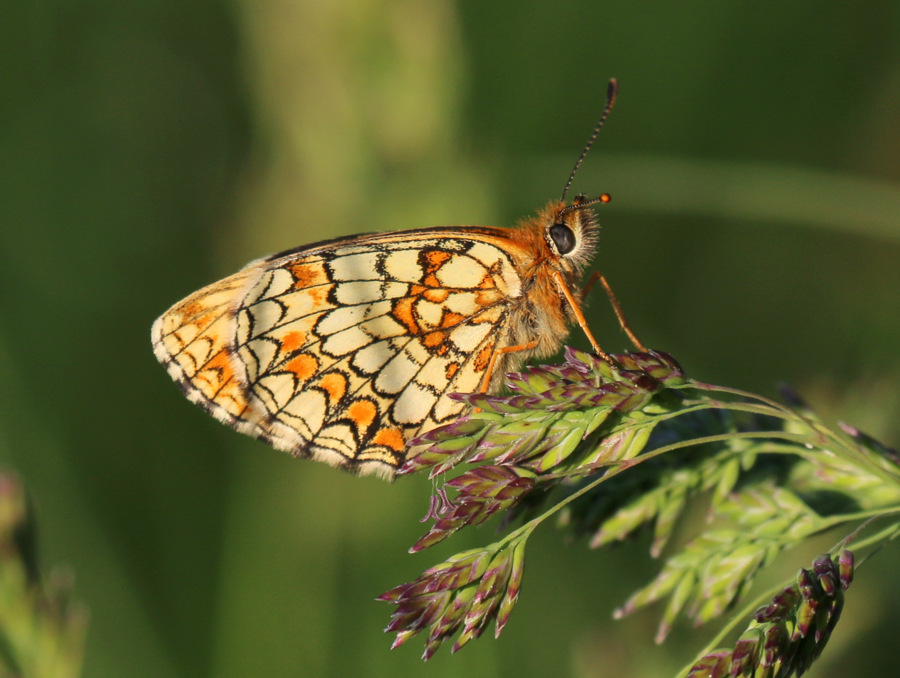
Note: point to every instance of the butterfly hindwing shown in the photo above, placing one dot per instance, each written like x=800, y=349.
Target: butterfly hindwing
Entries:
x=344, y=351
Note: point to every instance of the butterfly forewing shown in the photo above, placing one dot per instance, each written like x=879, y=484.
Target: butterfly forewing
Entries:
x=346, y=350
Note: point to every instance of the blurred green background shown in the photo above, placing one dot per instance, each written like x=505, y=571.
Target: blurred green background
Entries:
x=148, y=148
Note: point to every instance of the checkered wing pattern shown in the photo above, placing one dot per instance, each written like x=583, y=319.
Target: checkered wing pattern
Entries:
x=344, y=351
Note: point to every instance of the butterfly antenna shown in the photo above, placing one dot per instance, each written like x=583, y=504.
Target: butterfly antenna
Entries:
x=581, y=202
x=611, y=91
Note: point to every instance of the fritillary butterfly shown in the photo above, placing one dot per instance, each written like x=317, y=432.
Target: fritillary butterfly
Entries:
x=345, y=350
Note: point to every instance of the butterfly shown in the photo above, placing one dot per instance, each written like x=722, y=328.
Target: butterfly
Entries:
x=345, y=350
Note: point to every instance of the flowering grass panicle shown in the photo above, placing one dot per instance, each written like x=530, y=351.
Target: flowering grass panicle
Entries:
x=612, y=449
x=789, y=633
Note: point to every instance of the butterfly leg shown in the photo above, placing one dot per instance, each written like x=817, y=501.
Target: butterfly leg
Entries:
x=620, y=314
x=579, y=316
x=486, y=382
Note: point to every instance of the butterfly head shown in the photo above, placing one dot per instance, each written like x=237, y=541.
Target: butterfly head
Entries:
x=570, y=232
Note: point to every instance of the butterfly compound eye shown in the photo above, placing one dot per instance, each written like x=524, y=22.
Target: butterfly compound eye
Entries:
x=563, y=237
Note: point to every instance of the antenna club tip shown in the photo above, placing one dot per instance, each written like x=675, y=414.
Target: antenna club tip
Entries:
x=606, y=197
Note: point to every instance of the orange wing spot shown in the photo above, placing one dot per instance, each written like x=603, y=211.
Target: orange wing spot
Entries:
x=362, y=413
x=436, y=295
x=488, y=297
x=335, y=385
x=390, y=437
x=292, y=341
x=433, y=339
x=452, y=369
x=487, y=282
x=417, y=290
x=483, y=359
x=319, y=295
x=221, y=363
x=309, y=275
x=450, y=319
x=405, y=314
x=304, y=366
x=434, y=259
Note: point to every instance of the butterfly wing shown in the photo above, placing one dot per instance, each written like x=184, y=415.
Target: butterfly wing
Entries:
x=344, y=351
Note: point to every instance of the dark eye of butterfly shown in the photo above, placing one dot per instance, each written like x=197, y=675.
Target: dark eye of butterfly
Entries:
x=563, y=238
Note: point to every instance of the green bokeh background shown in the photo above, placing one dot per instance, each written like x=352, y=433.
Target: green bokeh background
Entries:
x=147, y=148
